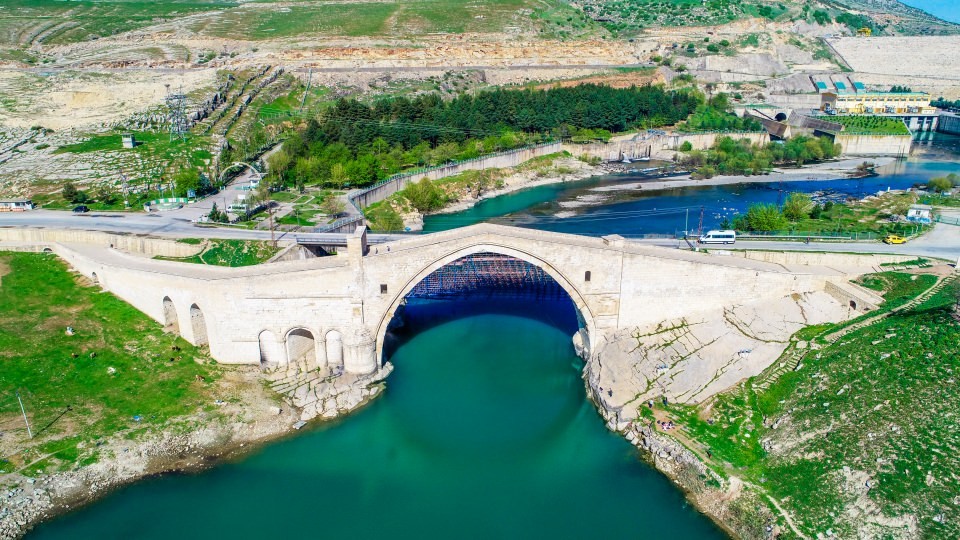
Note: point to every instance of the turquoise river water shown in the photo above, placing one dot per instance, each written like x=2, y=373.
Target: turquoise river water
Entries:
x=484, y=432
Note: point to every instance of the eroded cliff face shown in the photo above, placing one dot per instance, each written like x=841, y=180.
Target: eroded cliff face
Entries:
x=688, y=360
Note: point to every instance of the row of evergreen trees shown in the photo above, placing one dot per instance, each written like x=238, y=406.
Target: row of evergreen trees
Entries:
x=356, y=144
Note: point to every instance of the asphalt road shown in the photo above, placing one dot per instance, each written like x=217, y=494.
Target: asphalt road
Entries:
x=160, y=224
x=942, y=242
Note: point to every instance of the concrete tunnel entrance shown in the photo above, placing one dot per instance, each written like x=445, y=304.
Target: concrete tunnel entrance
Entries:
x=487, y=281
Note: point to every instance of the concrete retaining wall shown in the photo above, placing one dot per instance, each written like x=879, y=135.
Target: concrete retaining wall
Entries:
x=150, y=247
x=857, y=298
x=496, y=161
x=808, y=258
x=949, y=123
x=614, y=151
x=702, y=141
x=874, y=145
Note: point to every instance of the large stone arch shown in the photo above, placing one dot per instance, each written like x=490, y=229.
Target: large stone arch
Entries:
x=198, y=323
x=301, y=347
x=579, y=302
x=170, y=320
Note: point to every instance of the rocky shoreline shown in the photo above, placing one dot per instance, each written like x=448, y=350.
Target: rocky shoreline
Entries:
x=236, y=429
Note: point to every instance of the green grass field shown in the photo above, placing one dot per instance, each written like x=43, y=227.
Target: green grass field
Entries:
x=23, y=22
x=870, y=125
x=80, y=389
x=867, y=422
x=231, y=253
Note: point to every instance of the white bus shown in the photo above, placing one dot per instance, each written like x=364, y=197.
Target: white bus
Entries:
x=719, y=237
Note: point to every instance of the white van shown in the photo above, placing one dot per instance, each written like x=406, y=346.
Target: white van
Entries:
x=719, y=237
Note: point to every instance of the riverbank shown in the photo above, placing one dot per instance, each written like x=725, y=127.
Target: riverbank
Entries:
x=572, y=170
x=249, y=415
x=831, y=170
x=745, y=456
x=565, y=169
x=246, y=416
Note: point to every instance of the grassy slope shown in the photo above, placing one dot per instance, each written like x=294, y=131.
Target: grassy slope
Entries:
x=74, y=402
x=232, y=253
x=879, y=405
x=21, y=19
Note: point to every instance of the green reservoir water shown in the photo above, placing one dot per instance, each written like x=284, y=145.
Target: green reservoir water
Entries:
x=484, y=432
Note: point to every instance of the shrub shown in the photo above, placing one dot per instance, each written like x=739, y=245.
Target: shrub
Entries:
x=761, y=217
x=940, y=184
x=798, y=206
x=686, y=146
x=425, y=195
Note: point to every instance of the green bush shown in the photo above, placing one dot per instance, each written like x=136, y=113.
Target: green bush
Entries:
x=425, y=195
x=798, y=206
x=761, y=217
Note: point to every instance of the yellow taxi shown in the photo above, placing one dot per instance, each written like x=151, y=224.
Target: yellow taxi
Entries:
x=894, y=239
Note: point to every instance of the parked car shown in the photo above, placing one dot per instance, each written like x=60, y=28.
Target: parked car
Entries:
x=894, y=239
x=82, y=209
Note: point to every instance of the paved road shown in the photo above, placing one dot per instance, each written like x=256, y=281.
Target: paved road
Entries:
x=161, y=224
x=942, y=242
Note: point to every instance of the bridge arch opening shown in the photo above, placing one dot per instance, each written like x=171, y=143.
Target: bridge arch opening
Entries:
x=198, y=324
x=170, y=321
x=94, y=278
x=301, y=347
x=485, y=275
x=334, y=348
x=268, y=353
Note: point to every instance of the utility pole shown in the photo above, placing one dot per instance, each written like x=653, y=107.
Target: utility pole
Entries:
x=22, y=410
x=686, y=224
x=700, y=227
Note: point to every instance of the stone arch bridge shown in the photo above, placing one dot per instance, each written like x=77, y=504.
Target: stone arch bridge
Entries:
x=334, y=311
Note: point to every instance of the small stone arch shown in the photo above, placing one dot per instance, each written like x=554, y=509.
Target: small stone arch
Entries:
x=47, y=250
x=199, y=325
x=301, y=347
x=94, y=278
x=170, y=320
x=334, y=347
x=268, y=350
x=781, y=117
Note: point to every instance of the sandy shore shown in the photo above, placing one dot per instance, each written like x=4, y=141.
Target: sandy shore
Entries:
x=529, y=179
x=832, y=170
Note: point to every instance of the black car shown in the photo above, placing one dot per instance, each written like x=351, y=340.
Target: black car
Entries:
x=81, y=209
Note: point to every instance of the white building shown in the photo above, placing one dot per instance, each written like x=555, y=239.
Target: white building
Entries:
x=920, y=213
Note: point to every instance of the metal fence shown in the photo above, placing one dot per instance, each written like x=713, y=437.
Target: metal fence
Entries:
x=948, y=220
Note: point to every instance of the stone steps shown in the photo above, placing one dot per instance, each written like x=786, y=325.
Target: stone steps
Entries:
x=788, y=363
x=794, y=356
x=921, y=298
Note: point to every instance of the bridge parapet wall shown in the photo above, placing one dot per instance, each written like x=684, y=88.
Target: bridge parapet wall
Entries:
x=148, y=246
